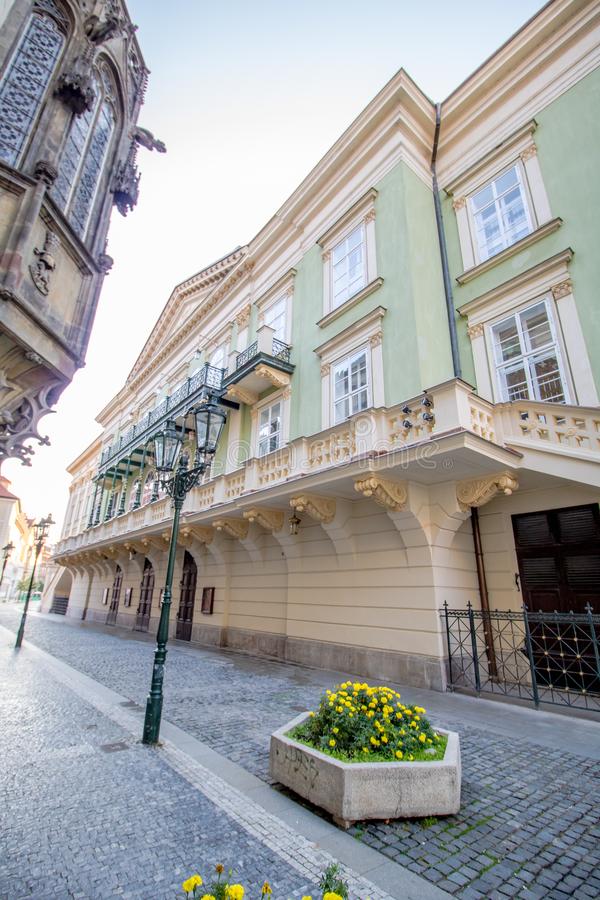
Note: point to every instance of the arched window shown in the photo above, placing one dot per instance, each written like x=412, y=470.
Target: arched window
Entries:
x=27, y=76
x=85, y=153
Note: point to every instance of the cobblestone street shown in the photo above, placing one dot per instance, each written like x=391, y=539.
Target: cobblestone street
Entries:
x=528, y=826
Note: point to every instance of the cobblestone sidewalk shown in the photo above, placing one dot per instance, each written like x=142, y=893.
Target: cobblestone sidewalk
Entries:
x=528, y=825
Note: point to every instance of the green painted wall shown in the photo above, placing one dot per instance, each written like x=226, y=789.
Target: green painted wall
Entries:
x=567, y=138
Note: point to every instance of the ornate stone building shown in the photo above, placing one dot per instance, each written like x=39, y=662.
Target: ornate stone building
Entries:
x=72, y=81
x=414, y=344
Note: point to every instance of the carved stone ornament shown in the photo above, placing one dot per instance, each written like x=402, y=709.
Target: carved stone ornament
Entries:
x=376, y=339
x=105, y=263
x=389, y=494
x=146, y=139
x=98, y=31
x=270, y=519
x=45, y=172
x=19, y=425
x=370, y=217
x=75, y=87
x=126, y=186
x=34, y=357
x=235, y=528
x=243, y=317
x=322, y=509
x=277, y=379
x=325, y=370
x=475, y=331
x=481, y=490
x=42, y=270
x=241, y=395
x=563, y=289
x=528, y=152
x=459, y=203
x=201, y=533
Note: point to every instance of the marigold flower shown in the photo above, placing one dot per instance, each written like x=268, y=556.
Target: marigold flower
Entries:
x=208, y=897
x=422, y=737
x=266, y=888
x=332, y=743
x=399, y=754
x=235, y=892
x=190, y=883
x=219, y=868
x=306, y=897
x=335, y=730
x=331, y=895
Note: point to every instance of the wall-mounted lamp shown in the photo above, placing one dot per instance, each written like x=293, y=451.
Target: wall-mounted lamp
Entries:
x=294, y=522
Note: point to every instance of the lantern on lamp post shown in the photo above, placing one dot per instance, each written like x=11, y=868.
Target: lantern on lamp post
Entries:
x=210, y=420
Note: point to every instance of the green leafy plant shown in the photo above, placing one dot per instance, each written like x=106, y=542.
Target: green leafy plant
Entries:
x=332, y=883
x=359, y=723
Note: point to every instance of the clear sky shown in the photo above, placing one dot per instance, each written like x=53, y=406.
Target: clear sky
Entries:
x=247, y=98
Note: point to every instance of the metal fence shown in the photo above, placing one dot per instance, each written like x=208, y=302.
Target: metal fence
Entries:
x=538, y=656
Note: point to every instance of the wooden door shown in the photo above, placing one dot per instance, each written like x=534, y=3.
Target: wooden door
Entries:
x=113, y=609
x=558, y=551
x=142, y=620
x=185, y=614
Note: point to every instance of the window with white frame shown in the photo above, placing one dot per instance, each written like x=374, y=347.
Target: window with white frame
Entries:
x=348, y=269
x=351, y=390
x=269, y=428
x=527, y=356
x=500, y=213
x=276, y=317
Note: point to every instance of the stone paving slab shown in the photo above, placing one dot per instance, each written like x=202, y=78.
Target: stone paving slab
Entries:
x=528, y=825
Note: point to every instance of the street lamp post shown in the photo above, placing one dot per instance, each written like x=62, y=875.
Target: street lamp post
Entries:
x=210, y=419
x=6, y=551
x=40, y=534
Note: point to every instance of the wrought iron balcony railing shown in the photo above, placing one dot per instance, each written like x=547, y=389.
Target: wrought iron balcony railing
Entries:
x=207, y=378
x=280, y=350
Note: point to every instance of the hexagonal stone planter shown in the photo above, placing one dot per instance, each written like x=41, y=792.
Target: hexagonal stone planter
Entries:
x=355, y=791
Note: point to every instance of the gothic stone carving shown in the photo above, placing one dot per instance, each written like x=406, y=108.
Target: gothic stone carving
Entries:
x=389, y=494
x=45, y=172
x=322, y=509
x=126, y=186
x=481, y=490
x=41, y=270
x=270, y=519
x=146, y=139
x=235, y=528
x=75, y=87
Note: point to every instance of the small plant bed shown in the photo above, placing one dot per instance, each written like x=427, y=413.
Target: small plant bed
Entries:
x=358, y=723
x=364, y=754
x=331, y=887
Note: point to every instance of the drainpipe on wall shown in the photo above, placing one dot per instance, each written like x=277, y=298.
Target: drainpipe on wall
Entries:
x=443, y=249
x=483, y=595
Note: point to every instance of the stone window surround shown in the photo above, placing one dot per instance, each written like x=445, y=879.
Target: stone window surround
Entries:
x=283, y=287
x=519, y=148
x=366, y=332
x=549, y=280
x=363, y=210
x=282, y=396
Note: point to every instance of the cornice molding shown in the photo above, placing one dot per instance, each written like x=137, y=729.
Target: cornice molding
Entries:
x=480, y=491
x=321, y=509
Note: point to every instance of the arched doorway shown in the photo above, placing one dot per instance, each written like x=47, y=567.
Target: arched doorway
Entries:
x=113, y=609
x=142, y=620
x=185, y=614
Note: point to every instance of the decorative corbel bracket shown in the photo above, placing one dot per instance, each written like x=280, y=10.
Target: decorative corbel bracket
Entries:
x=481, y=490
x=200, y=533
x=277, y=379
x=391, y=495
x=241, y=395
x=235, y=528
x=322, y=509
x=270, y=519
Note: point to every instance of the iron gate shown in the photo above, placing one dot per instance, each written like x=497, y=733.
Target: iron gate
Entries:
x=539, y=656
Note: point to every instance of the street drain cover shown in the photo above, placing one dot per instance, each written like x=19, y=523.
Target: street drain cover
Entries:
x=114, y=748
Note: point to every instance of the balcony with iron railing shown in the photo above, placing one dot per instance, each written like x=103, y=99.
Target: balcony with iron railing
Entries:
x=207, y=380
x=265, y=363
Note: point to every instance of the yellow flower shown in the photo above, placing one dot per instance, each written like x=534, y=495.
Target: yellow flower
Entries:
x=335, y=730
x=192, y=882
x=339, y=709
x=235, y=892
x=219, y=868
x=422, y=737
x=399, y=754
x=311, y=713
x=208, y=897
x=266, y=888
x=331, y=895
x=410, y=757
x=384, y=738
x=365, y=749
x=332, y=743
x=306, y=897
